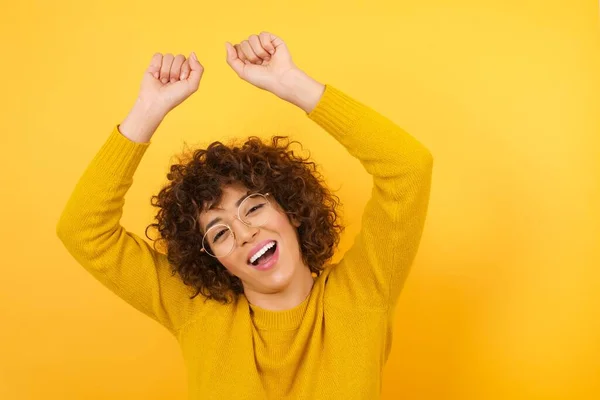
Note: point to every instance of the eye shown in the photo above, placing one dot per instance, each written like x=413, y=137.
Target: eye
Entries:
x=219, y=234
x=255, y=208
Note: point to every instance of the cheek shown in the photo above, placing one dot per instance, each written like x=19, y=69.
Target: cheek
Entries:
x=236, y=266
x=228, y=262
x=283, y=226
x=289, y=234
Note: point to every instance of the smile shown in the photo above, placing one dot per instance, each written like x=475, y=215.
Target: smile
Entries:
x=264, y=255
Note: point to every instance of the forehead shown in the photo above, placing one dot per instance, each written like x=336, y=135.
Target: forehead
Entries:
x=230, y=194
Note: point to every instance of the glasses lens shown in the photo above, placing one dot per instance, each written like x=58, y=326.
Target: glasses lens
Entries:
x=254, y=210
x=218, y=241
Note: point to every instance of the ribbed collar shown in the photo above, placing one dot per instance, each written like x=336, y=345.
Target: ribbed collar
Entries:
x=280, y=320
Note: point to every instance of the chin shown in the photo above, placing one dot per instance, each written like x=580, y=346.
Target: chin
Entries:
x=280, y=277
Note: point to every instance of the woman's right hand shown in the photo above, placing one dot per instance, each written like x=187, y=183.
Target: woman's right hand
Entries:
x=167, y=82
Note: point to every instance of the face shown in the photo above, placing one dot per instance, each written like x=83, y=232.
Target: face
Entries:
x=285, y=261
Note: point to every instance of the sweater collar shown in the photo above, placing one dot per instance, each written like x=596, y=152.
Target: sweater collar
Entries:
x=279, y=320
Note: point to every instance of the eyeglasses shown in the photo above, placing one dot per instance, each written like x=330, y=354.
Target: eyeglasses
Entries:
x=219, y=240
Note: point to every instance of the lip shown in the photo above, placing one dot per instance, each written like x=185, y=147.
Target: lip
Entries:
x=269, y=264
x=256, y=248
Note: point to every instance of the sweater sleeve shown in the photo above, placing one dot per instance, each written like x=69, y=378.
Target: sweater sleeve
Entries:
x=90, y=229
x=372, y=272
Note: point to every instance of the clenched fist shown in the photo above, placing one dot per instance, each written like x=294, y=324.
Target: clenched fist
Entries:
x=263, y=60
x=169, y=80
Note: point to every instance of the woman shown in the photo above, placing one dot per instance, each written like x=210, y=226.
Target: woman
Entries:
x=256, y=307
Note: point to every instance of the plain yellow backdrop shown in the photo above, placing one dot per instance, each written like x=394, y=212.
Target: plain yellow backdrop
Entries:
x=503, y=301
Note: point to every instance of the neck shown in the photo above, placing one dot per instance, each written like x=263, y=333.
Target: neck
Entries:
x=286, y=298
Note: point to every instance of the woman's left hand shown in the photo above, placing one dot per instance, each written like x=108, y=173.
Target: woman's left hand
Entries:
x=264, y=61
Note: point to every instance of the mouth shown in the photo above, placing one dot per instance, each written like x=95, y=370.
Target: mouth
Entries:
x=263, y=256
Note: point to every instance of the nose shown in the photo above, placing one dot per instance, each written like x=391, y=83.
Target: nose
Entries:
x=243, y=232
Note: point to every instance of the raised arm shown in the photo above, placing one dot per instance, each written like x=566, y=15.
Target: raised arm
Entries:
x=89, y=225
x=372, y=273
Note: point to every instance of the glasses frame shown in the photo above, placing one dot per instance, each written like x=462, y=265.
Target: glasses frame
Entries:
x=204, y=250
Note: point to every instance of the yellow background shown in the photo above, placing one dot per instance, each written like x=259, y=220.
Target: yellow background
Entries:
x=504, y=298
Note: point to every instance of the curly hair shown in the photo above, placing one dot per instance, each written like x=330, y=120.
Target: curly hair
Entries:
x=197, y=180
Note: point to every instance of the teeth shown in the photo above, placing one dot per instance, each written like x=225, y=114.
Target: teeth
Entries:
x=261, y=251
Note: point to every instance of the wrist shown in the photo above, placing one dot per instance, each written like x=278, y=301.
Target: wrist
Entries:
x=141, y=122
x=301, y=90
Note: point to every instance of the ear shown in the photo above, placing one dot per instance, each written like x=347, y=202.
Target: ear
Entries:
x=295, y=222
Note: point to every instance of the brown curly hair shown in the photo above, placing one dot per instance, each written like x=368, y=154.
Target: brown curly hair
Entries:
x=197, y=180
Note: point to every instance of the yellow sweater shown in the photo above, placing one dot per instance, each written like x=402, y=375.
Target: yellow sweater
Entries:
x=331, y=346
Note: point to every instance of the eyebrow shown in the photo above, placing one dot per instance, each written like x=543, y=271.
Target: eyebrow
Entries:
x=219, y=219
